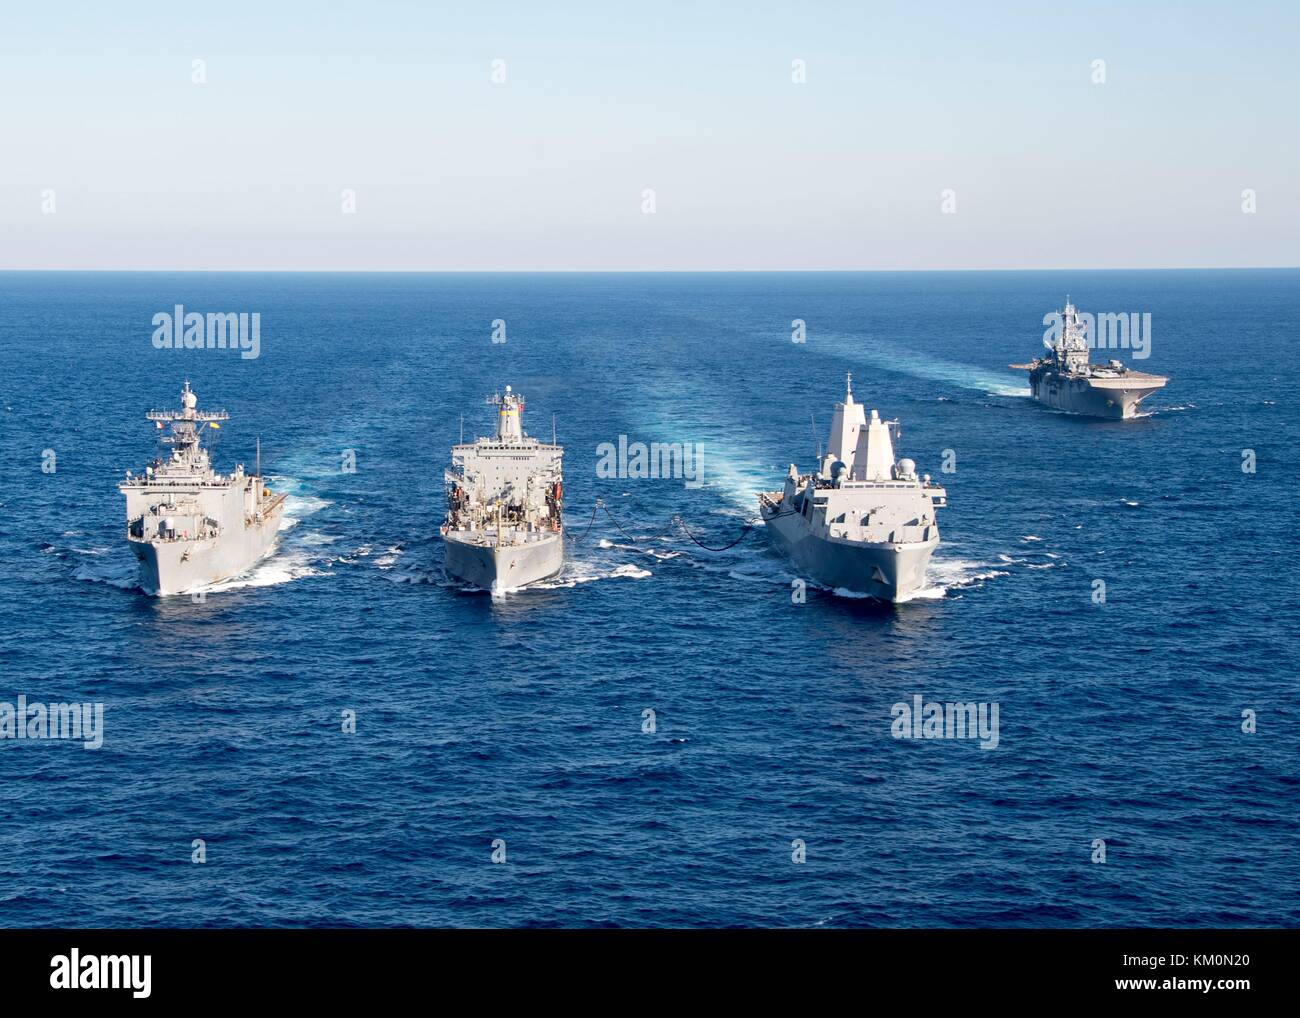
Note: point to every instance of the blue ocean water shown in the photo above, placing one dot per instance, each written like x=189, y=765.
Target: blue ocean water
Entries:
x=521, y=718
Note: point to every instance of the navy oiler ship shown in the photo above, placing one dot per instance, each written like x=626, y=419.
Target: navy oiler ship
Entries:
x=505, y=510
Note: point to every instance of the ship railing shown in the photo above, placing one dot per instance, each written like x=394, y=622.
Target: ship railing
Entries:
x=199, y=416
x=184, y=484
x=175, y=536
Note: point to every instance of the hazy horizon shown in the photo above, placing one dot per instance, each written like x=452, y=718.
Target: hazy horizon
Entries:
x=664, y=272
x=393, y=138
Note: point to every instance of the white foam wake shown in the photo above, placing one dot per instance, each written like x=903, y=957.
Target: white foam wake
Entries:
x=293, y=556
x=891, y=356
x=946, y=575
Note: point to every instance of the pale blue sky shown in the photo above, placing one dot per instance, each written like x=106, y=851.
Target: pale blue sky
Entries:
x=604, y=100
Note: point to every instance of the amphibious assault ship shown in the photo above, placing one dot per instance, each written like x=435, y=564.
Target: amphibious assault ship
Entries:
x=1065, y=379
x=188, y=525
x=862, y=522
x=505, y=519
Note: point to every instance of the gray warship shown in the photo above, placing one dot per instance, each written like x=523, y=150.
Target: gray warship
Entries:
x=505, y=512
x=188, y=525
x=862, y=522
x=1066, y=380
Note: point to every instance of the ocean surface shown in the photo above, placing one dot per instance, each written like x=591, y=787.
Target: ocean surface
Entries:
x=520, y=718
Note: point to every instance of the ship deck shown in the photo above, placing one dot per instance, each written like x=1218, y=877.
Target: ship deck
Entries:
x=1099, y=373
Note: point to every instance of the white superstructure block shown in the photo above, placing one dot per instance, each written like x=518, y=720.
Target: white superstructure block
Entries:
x=873, y=460
x=845, y=424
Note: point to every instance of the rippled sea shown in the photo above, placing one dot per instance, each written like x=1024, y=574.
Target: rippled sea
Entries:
x=523, y=718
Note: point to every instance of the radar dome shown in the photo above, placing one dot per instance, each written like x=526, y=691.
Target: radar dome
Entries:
x=906, y=468
x=189, y=400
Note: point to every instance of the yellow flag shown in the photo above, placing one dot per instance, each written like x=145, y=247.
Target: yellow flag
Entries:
x=214, y=424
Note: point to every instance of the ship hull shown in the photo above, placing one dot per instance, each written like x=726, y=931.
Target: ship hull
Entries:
x=1112, y=399
x=889, y=572
x=181, y=567
x=505, y=567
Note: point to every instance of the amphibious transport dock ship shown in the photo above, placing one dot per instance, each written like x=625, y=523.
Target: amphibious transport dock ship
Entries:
x=188, y=525
x=505, y=519
x=1065, y=379
x=862, y=522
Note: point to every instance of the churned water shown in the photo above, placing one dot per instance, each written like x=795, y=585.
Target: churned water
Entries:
x=523, y=718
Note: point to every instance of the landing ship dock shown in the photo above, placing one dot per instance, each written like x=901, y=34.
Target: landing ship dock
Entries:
x=863, y=522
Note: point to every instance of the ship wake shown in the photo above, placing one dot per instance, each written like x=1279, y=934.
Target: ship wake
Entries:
x=950, y=576
x=581, y=566
x=889, y=356
x=298, y=552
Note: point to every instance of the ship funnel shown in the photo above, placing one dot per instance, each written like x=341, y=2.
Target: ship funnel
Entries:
x=510, y=411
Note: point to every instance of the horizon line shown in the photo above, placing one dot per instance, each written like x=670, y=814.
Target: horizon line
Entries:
x=651, y=272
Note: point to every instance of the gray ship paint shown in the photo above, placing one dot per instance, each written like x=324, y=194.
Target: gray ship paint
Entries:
x=1066, y=380
x=187, y=525
x=505, y=513
x=863, y=522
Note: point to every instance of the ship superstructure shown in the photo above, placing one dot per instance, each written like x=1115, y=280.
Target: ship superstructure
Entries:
x=188, y=525
x=505, y=511
x=862, y=522
x=1065, y=379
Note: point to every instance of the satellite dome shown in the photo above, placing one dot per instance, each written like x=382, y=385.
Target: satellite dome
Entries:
x=907, y=468
x=189, y=400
